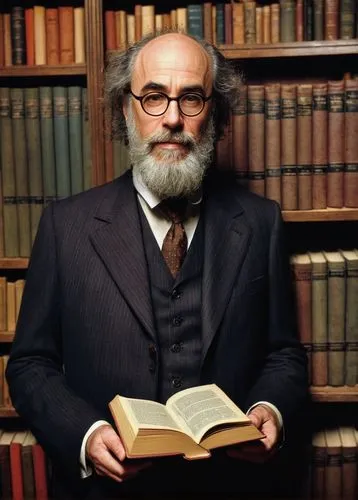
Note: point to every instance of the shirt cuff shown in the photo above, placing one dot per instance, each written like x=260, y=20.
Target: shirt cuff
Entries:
x=85, y=468
x=273, y=408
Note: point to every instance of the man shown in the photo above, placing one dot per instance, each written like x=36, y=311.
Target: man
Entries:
x=105, y=311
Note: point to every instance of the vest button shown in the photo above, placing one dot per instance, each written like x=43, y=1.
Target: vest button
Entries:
x=176, y=347
x=176, y=294
x=176, y=382
x=177, y=320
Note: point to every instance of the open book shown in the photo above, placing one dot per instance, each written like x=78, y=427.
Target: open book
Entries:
x=191, y=423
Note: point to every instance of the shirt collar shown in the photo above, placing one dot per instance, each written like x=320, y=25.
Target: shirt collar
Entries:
x=152, y=199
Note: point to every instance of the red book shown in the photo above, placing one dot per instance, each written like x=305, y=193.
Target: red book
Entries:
x=1, y=40
x=110, y=29
x=30, y=40
x=40, y=472
x=16, y=466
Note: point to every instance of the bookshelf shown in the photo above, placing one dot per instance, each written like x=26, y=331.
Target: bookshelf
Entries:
x=302, y=61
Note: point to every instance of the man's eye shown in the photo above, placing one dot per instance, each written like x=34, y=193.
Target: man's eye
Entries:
x=191, y=99
x=154, y=98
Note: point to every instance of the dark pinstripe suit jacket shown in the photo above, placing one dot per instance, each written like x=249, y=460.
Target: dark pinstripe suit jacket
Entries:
x=86, y=320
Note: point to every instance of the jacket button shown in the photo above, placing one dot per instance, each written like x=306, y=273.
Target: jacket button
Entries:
x=177, y=320
x=176, y=347
x=176, y=382
x=176, y=294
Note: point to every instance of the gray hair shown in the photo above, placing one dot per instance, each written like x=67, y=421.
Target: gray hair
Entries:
x=227, y=82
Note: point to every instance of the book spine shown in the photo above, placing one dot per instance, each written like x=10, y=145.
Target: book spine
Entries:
x=40, y=34
x=16, y=472
x=21, y=172
x=52, y=37
x=110, y=29
x=2, y=48
x=287, y=20
x=240, y=139
x=6, y=393
x=299, y=21
x=3, y=317
x=335, y=175
x=33, y=142
x=11, y=228
x=275, y=22
x=75, y=138
x=351, y=323
x=7, y=40
x=304, y=146
x=208, y=32
x=228, y=23
x=347, y=19
x=18, y=35
x=131, y=29
x=318, y=19
x=121, y=38
x=79, y=35
x=62, y=153
x=273, y=142
x=333, y=470
x=250, y=22
x=331, y=23
x=19, y=290
x=47, y=145
x=30, y=36
x=319, y=324
x=10, y=306
x=27, y=472
x=307, y=20
x=138, y=22
x=336, y=317
x=66, y=34
x=220, y=24
x=288, y=147
x=256, y=138
x=319, y=145
x=148, y=20
x=351, y=144
x=213, y=22
x=266, y=24
x=5, y=474
x=159, y=22
x=86, y=143
x=195, y=20
x=259, y=31
x=238, y=31
x=173, y=18
x=40, y=472
x=319, y=459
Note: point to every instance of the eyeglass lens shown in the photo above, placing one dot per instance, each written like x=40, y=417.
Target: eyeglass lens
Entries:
x=156, y=103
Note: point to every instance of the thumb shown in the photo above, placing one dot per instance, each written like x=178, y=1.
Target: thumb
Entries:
x=256, y=418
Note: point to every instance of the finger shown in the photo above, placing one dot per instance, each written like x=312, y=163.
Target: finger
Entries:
x=106, y=461
x=114, y=444
x=102, y=471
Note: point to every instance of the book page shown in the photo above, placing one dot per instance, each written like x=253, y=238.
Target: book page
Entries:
x=148, y=414
x=200, y=408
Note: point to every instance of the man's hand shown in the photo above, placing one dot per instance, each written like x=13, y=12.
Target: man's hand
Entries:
x=259, y=451
x=105, y=450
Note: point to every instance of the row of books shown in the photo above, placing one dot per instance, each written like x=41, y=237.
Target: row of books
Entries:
x=45, y=155
x=40, y=35
x=296, y=143
x=326, y=291
x=5, y=399
x=237, y=22
x=25, y=471
x=10, y=301
x=333, y=468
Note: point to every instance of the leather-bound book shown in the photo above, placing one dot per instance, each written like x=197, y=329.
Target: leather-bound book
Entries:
x=5, y=474
x=52, y=37
x=319, y=319
x=138, y=21
x=208, y=26
x=319, y=145
x=18, y=41
x=86, y=143
x=67, y=34
x=27, y=465
x=287, y=21
x=110, y=30
x=304, y=146
x=195, y=20
x=148, y=19
x=47, y=145
x=79, y=34
x=336, y=143
x=275, y=22
x=333, y=476
x=250, y=22
x=351, y=317
x=273, y=142
x=16, y=466
x=259, y=30
x=349, y=463
x=256, y=138
x=331, y=19
x=40, y=472
x=266, y=24
x=61, y=140
x=299, y=21
x=289, y=193
x=131, y=28
x=75, y=137
x=7, y=40
x=182, y=19
x=238, y=32
x=29, y=36
x=347, y=19
x=2, y=55
x=3, y=307
x=228, y=23
x=40, y=35
x=336, y=318
x=318, y=19
x=302, y=273
x=351, y=144
x=240, y=140
x=319, y=458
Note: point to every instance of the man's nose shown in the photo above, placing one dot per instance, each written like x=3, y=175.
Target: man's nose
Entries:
x=173, y=118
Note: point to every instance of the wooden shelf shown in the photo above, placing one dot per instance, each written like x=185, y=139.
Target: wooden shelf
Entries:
x=6, y=337
x=324, y=215
x=328, y=394
x=60, y=70
x=292, y=49
x=7, y=412
x=14, y=263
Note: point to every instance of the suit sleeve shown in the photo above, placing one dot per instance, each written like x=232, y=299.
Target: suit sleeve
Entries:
x=35, y=372
x=283, y=380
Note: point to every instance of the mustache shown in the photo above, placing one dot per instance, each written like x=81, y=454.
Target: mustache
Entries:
x=167, y=136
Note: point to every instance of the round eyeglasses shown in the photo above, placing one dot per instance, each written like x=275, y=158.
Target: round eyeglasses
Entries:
x=156, y=103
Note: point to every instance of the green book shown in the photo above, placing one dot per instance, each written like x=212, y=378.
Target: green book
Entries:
x=195, y=20
x=347, y=19
x=75, y=138
x=10, y=218
x=220, y=24
x=318, y=19
x=62, y=149
x=287, y=21
x=21, y=169
x=86, y=143
x=33, y=142
x=47, y=145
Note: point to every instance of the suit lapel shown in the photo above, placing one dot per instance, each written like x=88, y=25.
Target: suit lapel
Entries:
x=227, y=237
x=118, y=242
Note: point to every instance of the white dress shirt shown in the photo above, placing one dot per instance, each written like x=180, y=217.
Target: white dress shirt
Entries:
x=160, y=225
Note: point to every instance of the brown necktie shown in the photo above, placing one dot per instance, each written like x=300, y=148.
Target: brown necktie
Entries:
x=175, y=242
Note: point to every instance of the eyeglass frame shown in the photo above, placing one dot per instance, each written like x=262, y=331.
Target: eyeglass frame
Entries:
x=169, y=99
